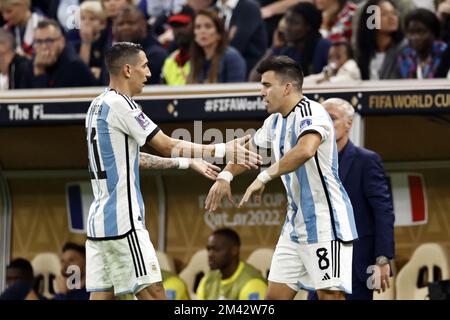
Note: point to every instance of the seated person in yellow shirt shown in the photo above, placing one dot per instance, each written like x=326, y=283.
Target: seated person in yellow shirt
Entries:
x=174, y=286
x=229, y=278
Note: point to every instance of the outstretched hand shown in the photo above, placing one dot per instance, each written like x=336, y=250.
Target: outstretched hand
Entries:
x=236, y=152
x=205, y=168
x=219, y=190
x=257, y=186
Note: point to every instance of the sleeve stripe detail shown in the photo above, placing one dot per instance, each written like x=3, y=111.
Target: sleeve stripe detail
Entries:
x=305, y=108
x=152, y=134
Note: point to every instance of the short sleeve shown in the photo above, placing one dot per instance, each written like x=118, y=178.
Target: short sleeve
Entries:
x=136, y=124
x=320, y=124
x=263, y=137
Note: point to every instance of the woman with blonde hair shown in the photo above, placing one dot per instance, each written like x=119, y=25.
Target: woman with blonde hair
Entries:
x=212, y=59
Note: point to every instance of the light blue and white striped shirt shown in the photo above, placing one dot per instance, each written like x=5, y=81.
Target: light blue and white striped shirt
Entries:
x=319, y=208
x=116, y=127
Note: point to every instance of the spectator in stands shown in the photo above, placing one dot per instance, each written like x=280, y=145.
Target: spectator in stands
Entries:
x=72, y=282
x=362, y=174
x=54, y=64
x=175, y=287
x=212, y=60
x=177, y=66
x=155, y=8
x=377, y=49
x=13, y=67
x=278, y=42
x=130, y=26
x=92, y=23
x=162, y=28
x=229, y=278
x=337, y=18
x=20, y=282
x=197, y=5
x=341, y=66
x=443, y=13
x=304, y=41
x=423, y=55
x=111, y=9
x=247, y=35
x=21, y=22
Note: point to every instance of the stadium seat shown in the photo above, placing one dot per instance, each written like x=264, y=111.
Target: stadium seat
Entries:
x=165, y=261
x=429, y=263
x=192, y=273
x=261, y=259
x=46, y=267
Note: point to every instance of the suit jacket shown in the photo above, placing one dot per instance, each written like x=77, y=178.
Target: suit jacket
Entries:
x=362, y=173
x=68, y=71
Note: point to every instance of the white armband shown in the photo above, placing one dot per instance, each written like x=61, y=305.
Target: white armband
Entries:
x=264, y=177
x=183, y=163
x=219, y=150
x=225, y=175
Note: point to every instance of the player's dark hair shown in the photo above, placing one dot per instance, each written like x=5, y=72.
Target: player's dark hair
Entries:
x=76, y=247
x=120, y=54
x=427, y=18
x=230, y=235
x=286, y=68
x=25, y=268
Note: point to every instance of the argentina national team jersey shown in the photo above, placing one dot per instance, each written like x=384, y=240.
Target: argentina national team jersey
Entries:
x=116, y=128
x=319, y=208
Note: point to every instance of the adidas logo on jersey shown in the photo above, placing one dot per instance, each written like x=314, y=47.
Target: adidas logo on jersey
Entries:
x=326, y=277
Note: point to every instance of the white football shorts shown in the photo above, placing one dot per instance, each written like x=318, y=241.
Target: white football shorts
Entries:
x=326, y=265
x=126, y=265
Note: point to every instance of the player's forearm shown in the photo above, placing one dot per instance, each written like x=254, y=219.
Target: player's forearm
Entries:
x=149, y=161
x=188, y=149
x=305, y=149
x=290, y=162
x=234, y=169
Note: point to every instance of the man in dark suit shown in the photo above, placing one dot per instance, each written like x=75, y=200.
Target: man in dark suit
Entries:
x=361, y=171
x=55, y=63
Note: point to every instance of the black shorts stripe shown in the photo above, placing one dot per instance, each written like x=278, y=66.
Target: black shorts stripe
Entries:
x=332, y=258
x=338, y=259
x=138, y=262
x=132, y=255
x=140, y=253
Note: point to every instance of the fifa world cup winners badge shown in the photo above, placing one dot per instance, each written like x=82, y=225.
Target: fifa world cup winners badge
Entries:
x=143, y=121
x=305, y=123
